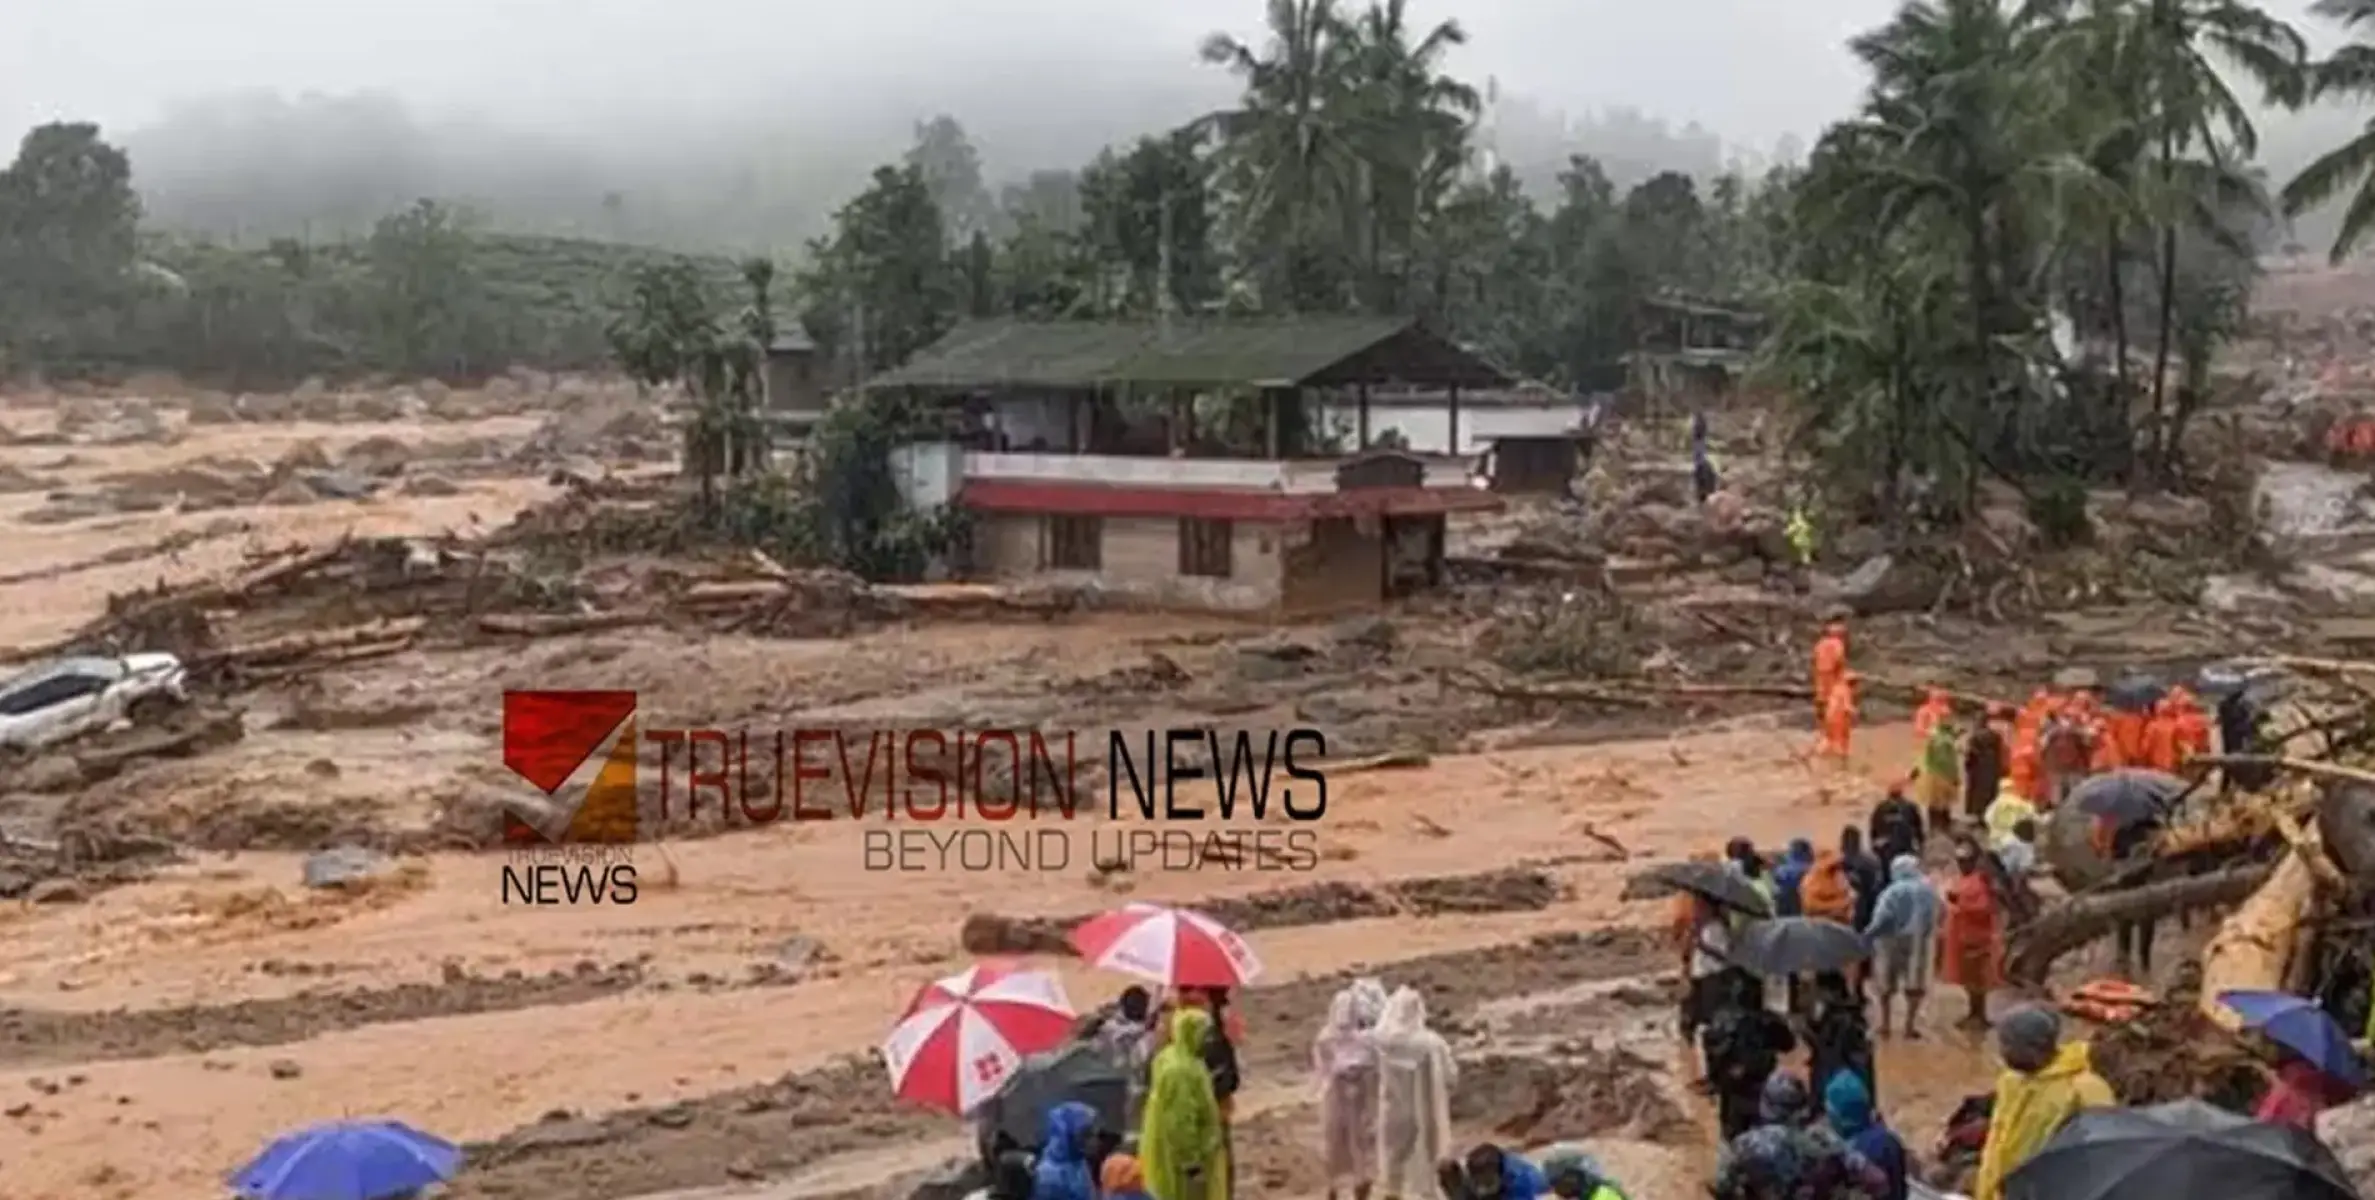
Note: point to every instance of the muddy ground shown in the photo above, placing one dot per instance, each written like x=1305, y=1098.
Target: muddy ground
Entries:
x=780, y=1128
x=178, y=994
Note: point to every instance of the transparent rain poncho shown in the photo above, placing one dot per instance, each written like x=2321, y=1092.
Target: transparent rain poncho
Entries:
x=1344, y=1064
x=1414, y=1078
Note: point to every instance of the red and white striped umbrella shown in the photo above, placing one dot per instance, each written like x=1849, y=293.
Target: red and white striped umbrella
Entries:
x=963, y=1036
x=1174, y=946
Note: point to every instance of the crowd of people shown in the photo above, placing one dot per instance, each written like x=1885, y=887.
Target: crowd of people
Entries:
x=1791, y=1128
x=1385, y=1082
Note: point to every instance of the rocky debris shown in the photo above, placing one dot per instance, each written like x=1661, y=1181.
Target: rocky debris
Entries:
x=343, y=866
x=1512, y=890
x=130, y=421
x=15, y=479
x=605, y=425
x=32, y=1037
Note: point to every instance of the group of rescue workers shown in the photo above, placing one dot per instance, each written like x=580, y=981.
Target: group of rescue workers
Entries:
x=1979, y=795
x=1819, y=1134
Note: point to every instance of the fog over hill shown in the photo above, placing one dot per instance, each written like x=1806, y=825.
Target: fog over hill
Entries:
x=735, y=124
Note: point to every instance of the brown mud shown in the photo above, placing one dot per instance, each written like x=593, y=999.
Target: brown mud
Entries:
x=1530, y=1101
x=1509, y=890
x=38, y=1037
x=775, y=1129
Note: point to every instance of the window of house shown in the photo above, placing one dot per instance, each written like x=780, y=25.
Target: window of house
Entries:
x=1204, y=547
x=1076, y=543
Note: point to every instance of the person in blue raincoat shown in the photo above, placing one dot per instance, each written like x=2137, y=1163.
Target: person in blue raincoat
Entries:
x=1575, y=1175
x=1497, y=1174
x=1063, y=1170
x=1788, y=874
x=1848, y=1106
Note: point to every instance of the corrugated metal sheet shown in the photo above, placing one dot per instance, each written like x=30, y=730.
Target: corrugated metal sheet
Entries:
x=1085, y=354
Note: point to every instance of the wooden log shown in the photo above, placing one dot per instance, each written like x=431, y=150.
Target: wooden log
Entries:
x=559, y=624
x=2085, y=918
x=716, y=594
x=306, y=644
x=2253, y=948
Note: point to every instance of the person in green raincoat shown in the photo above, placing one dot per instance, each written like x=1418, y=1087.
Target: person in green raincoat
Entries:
x=1938, y=785
x=1180, y=1142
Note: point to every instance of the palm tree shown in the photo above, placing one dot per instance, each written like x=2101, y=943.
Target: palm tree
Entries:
x=1410, y=124
x=1287, y=148
x=2351, y=165
x=2190, y=108
x=1947, y=136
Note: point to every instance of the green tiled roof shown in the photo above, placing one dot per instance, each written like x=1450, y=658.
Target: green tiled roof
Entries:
x=1274, y=352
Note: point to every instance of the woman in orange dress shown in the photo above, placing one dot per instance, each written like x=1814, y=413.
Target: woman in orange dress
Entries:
x=1971, y=949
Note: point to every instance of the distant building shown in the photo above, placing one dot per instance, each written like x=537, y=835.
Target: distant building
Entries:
x=1689, y=352
x=1083, y=458
x=795, y=383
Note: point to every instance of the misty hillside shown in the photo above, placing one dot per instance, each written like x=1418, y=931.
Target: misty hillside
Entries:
x=249, y=167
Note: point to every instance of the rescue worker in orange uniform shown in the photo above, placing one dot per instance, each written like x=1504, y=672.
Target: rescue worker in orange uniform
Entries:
x=2025, y=752
x=1830, y=665
x=1936, y=706
x=2160, y=751
x=2066, y=748
x=2193, y=724
x=2122, y=743
x=1838, y=716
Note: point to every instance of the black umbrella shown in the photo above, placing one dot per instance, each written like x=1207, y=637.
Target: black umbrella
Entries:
x=1797, y=946
x=2135, y=693
x=2128, y=796
x=1714, y=882
x=2177, y=1152
x=1072, y=1072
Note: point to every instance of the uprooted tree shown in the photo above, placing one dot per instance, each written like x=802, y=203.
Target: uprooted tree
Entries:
x=2288, y=865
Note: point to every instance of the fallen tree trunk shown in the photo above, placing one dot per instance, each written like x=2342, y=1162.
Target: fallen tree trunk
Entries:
x=556, y=624
x=2254, y=946
x=2085, y=918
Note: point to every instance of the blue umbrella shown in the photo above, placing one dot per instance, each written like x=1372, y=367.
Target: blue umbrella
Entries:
x=2299, y=1025
x=348, y=1160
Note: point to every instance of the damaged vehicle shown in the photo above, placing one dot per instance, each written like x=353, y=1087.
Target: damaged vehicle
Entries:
x=68, y=698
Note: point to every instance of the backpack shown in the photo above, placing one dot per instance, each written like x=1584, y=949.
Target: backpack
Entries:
x=1739, y=1055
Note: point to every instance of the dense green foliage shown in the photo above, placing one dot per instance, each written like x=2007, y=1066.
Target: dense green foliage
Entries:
x=82, y=293
x=2016, y=259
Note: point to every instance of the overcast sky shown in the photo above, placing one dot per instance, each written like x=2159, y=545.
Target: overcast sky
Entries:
x=1749, y=70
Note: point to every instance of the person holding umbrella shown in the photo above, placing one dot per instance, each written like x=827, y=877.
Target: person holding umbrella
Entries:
x=1743, y=1043
x=2316, y=1066
x=2175, y=1152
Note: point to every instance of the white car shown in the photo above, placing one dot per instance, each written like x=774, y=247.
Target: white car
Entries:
x=69, y=697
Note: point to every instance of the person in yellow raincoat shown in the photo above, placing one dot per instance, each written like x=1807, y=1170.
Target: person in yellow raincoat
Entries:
x=1180, y=1144
x=2045, y=1083
x=2010, y=809
x=1801, y=535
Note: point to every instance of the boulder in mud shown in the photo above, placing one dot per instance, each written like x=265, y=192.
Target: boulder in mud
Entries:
x=382, y=456
x=345, y=866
